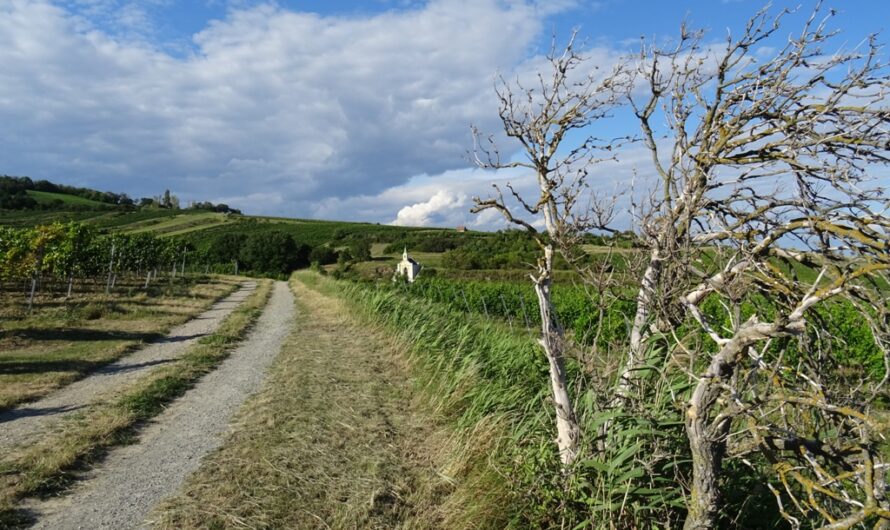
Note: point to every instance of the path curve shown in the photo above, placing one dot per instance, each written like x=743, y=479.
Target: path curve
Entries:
x=120, y=493
x=26, y=422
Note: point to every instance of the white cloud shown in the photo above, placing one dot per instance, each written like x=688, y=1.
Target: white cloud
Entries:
x=275, y=112
x=305, y=105
x=424, y=213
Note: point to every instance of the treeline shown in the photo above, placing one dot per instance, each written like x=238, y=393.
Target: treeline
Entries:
x=14, y=194
x=171, y=202
x=73, y=251
x=271, y=252
x=274, y=252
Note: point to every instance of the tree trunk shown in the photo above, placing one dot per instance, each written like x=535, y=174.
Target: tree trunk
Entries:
x=567, y=430
x=708, y=442
x=636, y=356
x=70, y=285
x=708, y=450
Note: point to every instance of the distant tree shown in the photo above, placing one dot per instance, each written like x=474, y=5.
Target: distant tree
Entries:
x=344, y=256
x=18, y=200
x=323, y=255
x=360, y=250
x=224, y=247
x=274, y=252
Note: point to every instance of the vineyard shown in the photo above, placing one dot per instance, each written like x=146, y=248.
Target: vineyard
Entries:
x=515, y=303
x=68, y=257
x=604, y=325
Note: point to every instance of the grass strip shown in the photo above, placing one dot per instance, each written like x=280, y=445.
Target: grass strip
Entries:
x=491, y=385
x=51, y=464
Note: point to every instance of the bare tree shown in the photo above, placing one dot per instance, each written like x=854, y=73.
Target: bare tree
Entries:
x=539, y=117
x=763, y=209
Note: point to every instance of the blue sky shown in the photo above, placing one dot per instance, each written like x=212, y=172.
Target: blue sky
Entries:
x=331, y=109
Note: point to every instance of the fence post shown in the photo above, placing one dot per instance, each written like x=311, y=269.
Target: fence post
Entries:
x=110, y=266
x=484, y=306
x=31, y=297
x=506, y=311
x=524, y=313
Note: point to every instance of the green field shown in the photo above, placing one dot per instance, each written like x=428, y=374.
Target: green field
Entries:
x=176, y=224
x=45, y=197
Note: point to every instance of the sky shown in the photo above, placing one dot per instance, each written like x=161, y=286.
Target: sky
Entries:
x=348, y=110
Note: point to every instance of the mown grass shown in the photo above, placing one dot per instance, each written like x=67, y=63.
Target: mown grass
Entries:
x=62, y=340
x=491, y=386
x=52, y=463
x=336, y=439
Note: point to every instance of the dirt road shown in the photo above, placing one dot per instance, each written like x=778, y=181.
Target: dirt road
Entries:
x=120, y=492
x=27, y=422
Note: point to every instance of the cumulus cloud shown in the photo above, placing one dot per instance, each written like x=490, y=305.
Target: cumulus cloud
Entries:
x=360, y=117
x=298, y=104
x=424, y=213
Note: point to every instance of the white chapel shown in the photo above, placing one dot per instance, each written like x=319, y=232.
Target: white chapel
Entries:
x=408, y=268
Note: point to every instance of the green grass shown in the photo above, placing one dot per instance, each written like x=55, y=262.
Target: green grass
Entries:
x=45, y=197
x=176, y=224
x=492, y=385
x=29, y=218
x=123, y=220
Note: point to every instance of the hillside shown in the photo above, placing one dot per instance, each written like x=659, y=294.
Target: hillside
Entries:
x=216, y=235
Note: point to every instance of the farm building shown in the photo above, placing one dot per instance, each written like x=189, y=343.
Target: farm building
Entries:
x=408, y=268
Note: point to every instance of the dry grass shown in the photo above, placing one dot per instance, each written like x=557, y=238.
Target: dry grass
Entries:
x=338, y=438
x=61, y=341
x=58, y=458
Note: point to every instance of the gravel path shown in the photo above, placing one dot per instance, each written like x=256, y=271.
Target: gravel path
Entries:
x=25, y=423
x=120, y=493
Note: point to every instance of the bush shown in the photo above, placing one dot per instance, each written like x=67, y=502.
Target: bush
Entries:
x=323, y=255
x=273, y=252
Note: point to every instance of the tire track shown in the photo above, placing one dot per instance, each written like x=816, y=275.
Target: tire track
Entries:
x=23, y=424
x=120, y=492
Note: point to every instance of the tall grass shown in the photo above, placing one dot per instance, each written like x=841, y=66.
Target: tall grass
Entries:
x=493, y=386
